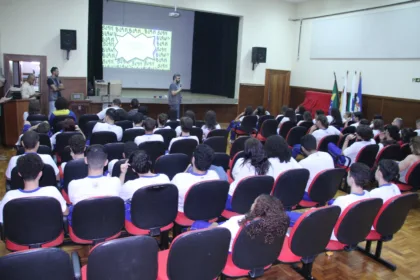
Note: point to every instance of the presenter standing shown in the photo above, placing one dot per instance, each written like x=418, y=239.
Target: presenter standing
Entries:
x=174, y=94
x=55, y=87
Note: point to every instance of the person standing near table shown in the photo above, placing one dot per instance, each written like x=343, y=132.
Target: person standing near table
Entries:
x=54, y=88
x=174, y=94
x=27, y=90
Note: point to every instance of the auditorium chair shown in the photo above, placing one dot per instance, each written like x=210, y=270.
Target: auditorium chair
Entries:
x=199, y=123
x=36, y=264
x=247, y=190
x=389, y=152
x=198, y=254
x=153, y=211
x=412, y=177
x=129, y=258
x=290, y=186
x=299, y=117
x=252, y=255
x=354, y=224
x=308, y=238
x=204, y=201
x=43, y=150
x=232, y=163
x=295, y=135
x=74, y=170
x=349, y=130
x=248, y=126
x=238, y=145
x=125, y=124
x=405, y=151
x=366, y=155
x=184, y=146
x=222, y=160
x=89, y=128
x=218, y=132
x=84, y=119
x=154, y=150
x=171, y=164
x=32, y=222
x=44, y=139
x=262, y=119
x=307, y=125
x=268, y=128
x=197, y=131
x=285, y=128
x=279, y=119
x=48, y=178
x=33, y=123
x=377, y=138
x=103, y=137
x=217, y=143
x=323, y=143
x=390, y=219
x=114, y=150
x=116, y=172
x=62, y=141
x=173, y=124
x=167, y=134
x=324, y=187
x=56, y=123
x=96, y=220
x=37, y=117
x=131, y=134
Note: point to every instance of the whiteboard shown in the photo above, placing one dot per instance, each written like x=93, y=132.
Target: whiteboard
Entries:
x=385, y=35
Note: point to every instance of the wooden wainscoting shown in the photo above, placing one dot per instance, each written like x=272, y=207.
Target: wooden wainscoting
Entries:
x=250, y=95
x=73, y=85
x=388, y=107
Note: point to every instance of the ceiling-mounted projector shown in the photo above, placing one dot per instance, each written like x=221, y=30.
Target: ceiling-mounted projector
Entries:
x=174, y=14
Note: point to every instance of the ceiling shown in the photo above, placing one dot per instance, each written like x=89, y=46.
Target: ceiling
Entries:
x=295, y=1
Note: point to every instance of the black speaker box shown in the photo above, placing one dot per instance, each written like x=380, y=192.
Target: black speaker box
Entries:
x=68, y=39
x=259, y=55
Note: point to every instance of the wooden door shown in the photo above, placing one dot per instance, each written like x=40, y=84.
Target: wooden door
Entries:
x=277, y=90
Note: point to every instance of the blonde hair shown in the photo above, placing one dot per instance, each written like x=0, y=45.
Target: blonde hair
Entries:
x=415, y=145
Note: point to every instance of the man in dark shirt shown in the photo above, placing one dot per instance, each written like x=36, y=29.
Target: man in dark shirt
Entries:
x=55, y=86
x=174, y=94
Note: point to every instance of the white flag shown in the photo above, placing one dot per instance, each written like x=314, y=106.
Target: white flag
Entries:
x=343, y=101
x=353, y=92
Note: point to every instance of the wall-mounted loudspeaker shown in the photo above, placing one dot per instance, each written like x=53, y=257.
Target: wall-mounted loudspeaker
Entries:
x=259, y=55
x=68, y=40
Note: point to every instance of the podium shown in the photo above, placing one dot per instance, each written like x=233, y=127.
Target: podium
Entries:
x=12, y=120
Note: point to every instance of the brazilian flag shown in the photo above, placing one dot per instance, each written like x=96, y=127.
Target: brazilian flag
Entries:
x=334, y=97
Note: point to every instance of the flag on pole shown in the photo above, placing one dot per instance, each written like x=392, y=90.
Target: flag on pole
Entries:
x=353, y=92
x=358, y=99
x=343, y=102
x=334, y=96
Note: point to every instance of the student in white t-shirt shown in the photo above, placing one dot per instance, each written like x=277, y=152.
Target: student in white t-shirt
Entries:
x=211, y=123
x=30, y=142
x=30, y=168
x=95, y=184
x=77, y=144
x=357, y=117
x=377, y=127
x=201, y=162
x=137, y=120
x=186, y=125
x=129, y=148
x=406, y=164
x=190, y=114
x=386, y=172
x=283, y=111
x=109, y=124
x=417, y=127
x=279, y=156
x=322, y=129
x=289, y=115
x=116, y=104
x=307, y=117
x=149, y=125
x=161, y=122
x=315, y=161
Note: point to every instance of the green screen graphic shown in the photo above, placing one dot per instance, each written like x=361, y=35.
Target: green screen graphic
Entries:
x=136, y=48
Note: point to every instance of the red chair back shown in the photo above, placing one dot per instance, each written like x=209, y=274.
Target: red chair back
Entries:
x=290, y=186
x=325, y=185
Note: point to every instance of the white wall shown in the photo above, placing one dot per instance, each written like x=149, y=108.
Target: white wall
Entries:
x=380, y=77
x=33, y=27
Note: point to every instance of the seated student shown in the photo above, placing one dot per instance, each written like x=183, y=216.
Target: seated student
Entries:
x=300, y=110
x=357, y=179
x=289, y=115
x=417, y=127
x=386, y=172
x=30, y=168
x=43, y=127
x=377, y=127
x=357, y=116
x=186, y=125
x=109, y=124
x=210, y=123
x=134, y=105
x=322, y=129
x=34, y=108
x=390, y=136
x=137, y=120
x=237, y=122
x=61, y=109
x=283, y=111
x=269, y=209
x=122, y=115
x=307, y=117
x=116, y=104
x=172, y=115
x=149, y=126
x=260, y=111
x=337, y=119
x=218, y=169
x=318, y=113
x=142, y=165
x=161, y=122
x=406, y=164
x=30, y=142
x=201, y=162
x=68, y=125
x=279, y=156
x=129, y=148
x=406, y=135
x=364, y=137
x=95, y=184
x=398, y=122
x=190, y=114
x=77, y=144
x=315, y=161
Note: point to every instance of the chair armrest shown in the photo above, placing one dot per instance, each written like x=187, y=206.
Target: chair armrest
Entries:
x=2, y=237
x=349, y=161
x=66, y=225
x=76, y=266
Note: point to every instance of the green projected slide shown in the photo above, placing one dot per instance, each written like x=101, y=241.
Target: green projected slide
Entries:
x=136, y=48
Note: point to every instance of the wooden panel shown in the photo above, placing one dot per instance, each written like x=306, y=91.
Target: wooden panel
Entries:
x=80, y=107
x=73, y=85
x=250, y=95
x=277, y=90
x=12, y=120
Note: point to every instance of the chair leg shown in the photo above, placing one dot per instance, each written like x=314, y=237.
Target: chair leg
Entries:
x=223, y=277
x=306, y=270
x=164, y=240
x=377, y=255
